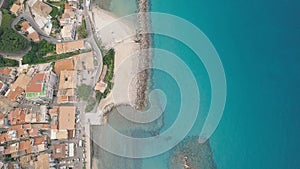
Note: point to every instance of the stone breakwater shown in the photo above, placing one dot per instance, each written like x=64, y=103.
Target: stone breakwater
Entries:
x=144, y=54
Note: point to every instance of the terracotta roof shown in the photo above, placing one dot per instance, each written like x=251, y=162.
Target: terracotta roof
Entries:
x=2, y=122
x=2, y=115
x=22, y=81
x=39, y=140
x=4, y=138
x=1, y=84
x=21, y=134
x=67, y=79
x=62, y=99
x=36, y=84
x=66, y=118
x=103, y=73
x=65, y=95
x=25, y=145
x=66, y=64
x=27, y=126
x=34, y=36
x=5, y=71
x=33, y=132
x=25, y=26
x=46, y=126
x=14, y=94
x=59, y=151
x=17, y=116
x=101, y=86
x=15, y=127
x=67, y=6
x=69, y=46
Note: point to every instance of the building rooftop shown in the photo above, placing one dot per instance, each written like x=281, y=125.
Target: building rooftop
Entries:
x=69, y=46
x=66, y=31
x=5, y=71
x=41, y=8
x=61, y=134
x=4, y=138
x=66, y=118
x=13, y=95
x=65, y=95
x=103, y=73
x=17, y=116
x=66, y=64
x=39, y=140
x=59, y=151
x=36, y=84
x=101, y=86
x=25, y=26
x=34, y=36
x=2, y=115
x=15, y=8
x=25, y=146
x=42, y=161
x=22, y=81
x=67, y=79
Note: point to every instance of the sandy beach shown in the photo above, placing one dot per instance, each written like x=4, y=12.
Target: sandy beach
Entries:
x=130, y=80
x=120, y=35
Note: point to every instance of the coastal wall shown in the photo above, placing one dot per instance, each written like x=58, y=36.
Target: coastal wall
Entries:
x=145, y=53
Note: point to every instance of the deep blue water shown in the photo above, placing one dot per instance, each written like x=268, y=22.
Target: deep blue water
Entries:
x=259, y=46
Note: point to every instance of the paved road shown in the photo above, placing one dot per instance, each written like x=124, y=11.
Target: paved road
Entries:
x=26, y=15
x=86, y=117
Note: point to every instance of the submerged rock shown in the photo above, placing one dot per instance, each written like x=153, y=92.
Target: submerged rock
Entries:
x=190, y=154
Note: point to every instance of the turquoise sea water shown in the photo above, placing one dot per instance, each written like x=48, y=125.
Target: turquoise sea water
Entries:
x=259, y=46
x=258, y=43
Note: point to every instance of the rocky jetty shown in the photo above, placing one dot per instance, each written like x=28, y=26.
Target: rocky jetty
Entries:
x=145, y=54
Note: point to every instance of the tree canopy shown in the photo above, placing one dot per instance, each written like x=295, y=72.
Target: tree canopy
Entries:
x=10, y=41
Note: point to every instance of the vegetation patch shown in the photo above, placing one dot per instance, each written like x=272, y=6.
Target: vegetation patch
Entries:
x=84, y=92
x=82, y=32
x=91, y=104
x=38, y=51
x=108, y=60
x=56, y=57
x=56, y=13
x=10, y=41
x=4, y=62
x=7, y=4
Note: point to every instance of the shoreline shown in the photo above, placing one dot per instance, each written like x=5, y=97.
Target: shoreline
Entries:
x=138, y=90
x=127, y=39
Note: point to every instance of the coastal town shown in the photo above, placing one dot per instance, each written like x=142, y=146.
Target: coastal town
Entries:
x=56, y=81
x=41, y=118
